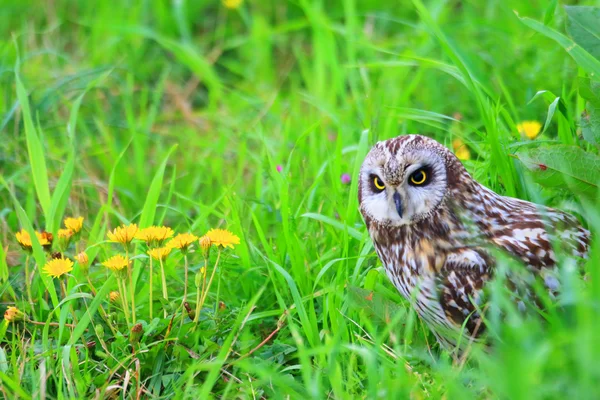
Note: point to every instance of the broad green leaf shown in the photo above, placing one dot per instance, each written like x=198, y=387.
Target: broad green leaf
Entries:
x=583, y=25
x=584, y=59
x=563, y=167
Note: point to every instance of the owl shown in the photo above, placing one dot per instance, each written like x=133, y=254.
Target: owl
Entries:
x=438, y=232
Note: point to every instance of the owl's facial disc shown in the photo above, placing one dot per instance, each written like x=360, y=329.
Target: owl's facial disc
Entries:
x=402, y=188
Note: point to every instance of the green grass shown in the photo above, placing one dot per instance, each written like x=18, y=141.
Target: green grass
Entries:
x=180, y=112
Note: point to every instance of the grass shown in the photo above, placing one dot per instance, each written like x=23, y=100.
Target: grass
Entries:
x=181, y=113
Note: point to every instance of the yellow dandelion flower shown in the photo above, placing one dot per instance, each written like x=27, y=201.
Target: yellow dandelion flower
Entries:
x=530, y=129
x=461, y=150
x=116, y=263
x=232, y=4
x=65, y=234
x=222, y=237
x=24, y=239
x=160, y=253
x=74, y=224
x=82, y=259
x=13, y=314
x=45, y=239
x=205, y=244
x=182, y=241
x=155, y=234
x=123, y=234
x=58, y=267
x=114, y=296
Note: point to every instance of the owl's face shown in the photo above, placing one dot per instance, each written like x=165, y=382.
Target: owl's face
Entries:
x=403, y=180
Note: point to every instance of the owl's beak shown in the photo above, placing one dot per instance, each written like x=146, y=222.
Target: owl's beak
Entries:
x=398, y=202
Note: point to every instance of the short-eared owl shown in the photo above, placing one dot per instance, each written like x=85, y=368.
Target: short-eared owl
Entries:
x=435, y=230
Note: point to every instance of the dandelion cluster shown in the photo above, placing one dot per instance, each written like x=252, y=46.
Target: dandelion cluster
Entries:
x=67, y=261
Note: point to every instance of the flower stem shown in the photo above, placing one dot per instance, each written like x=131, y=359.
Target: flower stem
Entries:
x=212, y=275
x=151, y=287
x=131, y=285
x=164, y=281
x=27, y=282
x=185, y=285
x=200, y=291
x=123, y=296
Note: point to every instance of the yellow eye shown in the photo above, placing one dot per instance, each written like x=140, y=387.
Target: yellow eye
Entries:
x=418, y=178
x=378, y=184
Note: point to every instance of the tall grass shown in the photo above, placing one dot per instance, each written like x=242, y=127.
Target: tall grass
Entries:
x=180, y=113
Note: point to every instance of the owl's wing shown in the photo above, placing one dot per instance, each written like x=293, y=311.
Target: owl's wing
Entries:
x=534, y=240
x=460, y=284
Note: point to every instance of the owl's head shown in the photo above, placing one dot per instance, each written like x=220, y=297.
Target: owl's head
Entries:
x=405, y=179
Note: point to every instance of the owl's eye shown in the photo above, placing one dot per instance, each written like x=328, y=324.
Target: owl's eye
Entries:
x=379, y=186
x=418, y=177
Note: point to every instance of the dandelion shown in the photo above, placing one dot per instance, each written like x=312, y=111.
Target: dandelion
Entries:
x=205, y=244
x=529, y=129
x=24, y=239
x=116, y=263
x=222, y=237
x=74, y=224
x=232, y=4
x=65, y=234
x=155, y=235
x=123, y=234
x=114, y=296
x=64, y=238
x=13, y=314
x=182, y=241
x=82, y=259
x=160, y=253
x=136, y=333
x=461, y=150
x=58, y=267
x=45, y=239
x=218, y=237
x=345, y=178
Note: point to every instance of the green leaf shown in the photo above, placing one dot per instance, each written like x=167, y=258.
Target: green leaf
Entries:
x=583, y=25
x=149, y=210
x=3, y=265
x=35, y=149
x=584, y=59
x=38, y=252
x=563, y=167
x=590, y=121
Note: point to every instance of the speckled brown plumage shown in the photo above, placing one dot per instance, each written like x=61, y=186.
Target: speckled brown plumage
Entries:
x=437, y=240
